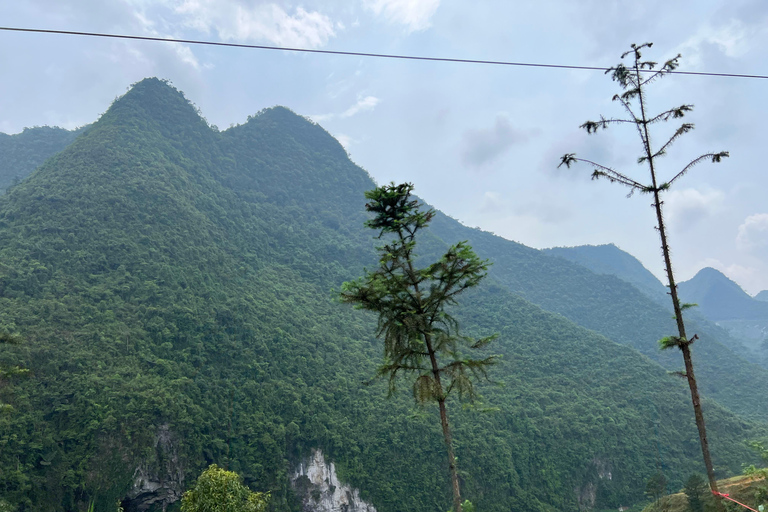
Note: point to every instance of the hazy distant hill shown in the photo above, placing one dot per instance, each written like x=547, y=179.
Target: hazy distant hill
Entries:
x=609, y=259
x=22, y=153
x=723, y=301
x=763, y=296
x=173, y=284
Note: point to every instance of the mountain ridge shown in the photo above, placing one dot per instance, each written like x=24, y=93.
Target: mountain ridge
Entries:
x=178, y=281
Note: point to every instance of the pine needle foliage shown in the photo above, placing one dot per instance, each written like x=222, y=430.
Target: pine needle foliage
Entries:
x=421, y=338
x=633, y=80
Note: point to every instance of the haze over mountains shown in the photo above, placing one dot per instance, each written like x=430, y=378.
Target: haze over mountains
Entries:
x=720, y=301
x=174, y=284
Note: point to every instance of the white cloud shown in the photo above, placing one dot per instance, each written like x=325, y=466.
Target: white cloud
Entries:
x=687, y=207
x=363, y=104
x=753, y=232
x=414, y=14
x=731, y=39
x=344, y=140
x=234, y=20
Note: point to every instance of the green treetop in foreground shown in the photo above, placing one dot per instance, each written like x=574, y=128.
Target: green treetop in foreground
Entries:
x=421, y=339
x=219, y=490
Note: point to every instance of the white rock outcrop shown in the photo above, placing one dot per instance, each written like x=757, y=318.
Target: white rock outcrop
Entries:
x=315, y=481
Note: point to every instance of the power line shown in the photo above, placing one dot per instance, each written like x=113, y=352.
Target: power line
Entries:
x=353, y=54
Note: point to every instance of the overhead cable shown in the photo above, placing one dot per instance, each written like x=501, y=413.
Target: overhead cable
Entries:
x=353, y=54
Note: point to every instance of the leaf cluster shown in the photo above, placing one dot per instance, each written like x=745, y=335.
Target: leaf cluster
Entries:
x=412, y=303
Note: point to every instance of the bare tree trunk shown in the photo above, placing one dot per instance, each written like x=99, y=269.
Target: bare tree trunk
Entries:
x=451, y=457
x=446, y=427
x=684, y=346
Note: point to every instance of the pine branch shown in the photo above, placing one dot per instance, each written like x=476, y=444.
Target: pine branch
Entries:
x=601, y=171
x=684, y=128
x=716, y=158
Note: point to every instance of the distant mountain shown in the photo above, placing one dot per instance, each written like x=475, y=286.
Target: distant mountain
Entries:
x=22, y=153
x=762, y=296
x=173, y=285
x=719, y=298
x=609, y=259
x=723, y=301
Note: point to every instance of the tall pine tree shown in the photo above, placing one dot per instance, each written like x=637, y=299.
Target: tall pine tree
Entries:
x=634, y=79
x=421, y=338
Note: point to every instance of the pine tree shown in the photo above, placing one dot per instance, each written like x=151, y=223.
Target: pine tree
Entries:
x=634, y=80
x=421, y=339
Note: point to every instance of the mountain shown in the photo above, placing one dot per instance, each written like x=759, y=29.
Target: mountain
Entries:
x=741, y=334
x=620, y=312
x=173, y=287
x=724, y=302
x=719, y=298
x=762, y=296
x=22, y=153
x=609, y=259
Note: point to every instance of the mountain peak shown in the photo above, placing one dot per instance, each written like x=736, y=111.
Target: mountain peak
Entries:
x=155, y=100
x=719, y=297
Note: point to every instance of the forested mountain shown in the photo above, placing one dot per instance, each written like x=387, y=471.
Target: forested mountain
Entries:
x=619, y=311
x=173, y=285
x=724, y=302
x=609, y=259
x=725, y=313
x=22, y=153
x=719, y=298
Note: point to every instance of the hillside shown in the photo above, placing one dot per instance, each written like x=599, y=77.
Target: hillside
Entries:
x=173, y=284
x=719, y=298
x=620, y=312
x=22, y=153
x=610, y=260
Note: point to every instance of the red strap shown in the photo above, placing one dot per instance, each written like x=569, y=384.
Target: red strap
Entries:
x=726, y=496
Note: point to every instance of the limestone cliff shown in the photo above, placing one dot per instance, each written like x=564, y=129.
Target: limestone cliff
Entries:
x=317, y=485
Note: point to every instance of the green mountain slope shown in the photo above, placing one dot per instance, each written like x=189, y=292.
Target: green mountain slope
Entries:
x=22, y=153
x=173, y=287
x=719, y=298
x=609, y=259
x=620, y=312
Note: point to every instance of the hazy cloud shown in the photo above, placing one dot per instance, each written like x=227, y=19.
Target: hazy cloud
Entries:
x=687, y=207
x=414, y=14
x=753, y=232
x=363, y=104
x=233, y=20
x=482, y=147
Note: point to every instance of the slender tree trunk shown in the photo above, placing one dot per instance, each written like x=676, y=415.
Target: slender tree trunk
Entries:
x=446, y=427
x=685, y=347
x=684, y=344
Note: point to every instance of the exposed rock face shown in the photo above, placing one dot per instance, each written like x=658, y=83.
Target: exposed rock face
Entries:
x=600, y=472
x=159, y=482
x=317, y=485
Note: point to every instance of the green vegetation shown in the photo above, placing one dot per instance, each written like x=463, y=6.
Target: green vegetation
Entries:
x=419, y=334
x=22, y=153
x=633, y=82
x=218, y=490
x=172, y=285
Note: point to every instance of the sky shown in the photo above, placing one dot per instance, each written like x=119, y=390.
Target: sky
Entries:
x=481, y=143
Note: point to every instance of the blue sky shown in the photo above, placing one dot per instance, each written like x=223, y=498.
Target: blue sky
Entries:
x=479, y=142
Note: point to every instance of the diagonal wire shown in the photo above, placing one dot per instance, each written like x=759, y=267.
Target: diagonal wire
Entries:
x=354, y=54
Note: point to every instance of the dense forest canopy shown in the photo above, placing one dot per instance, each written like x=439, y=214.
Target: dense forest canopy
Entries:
x=174, y=288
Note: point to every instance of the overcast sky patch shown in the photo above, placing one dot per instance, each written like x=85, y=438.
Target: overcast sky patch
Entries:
x=482, y=147
x=234, y=20
x=414, y=14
